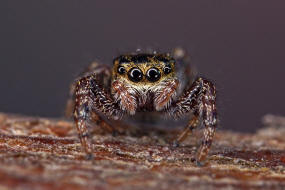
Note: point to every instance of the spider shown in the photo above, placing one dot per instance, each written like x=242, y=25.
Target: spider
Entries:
x=144, y=82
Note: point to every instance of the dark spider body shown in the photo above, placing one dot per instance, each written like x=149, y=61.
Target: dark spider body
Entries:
x=152, y=83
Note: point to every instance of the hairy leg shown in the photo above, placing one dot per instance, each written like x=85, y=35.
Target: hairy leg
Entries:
x=199, y=99
x=103, y=77
x=103, y=74
x=90, y=99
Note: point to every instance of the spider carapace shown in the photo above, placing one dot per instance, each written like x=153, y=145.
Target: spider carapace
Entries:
x=144, y=82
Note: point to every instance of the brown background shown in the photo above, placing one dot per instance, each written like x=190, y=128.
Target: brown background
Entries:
x=238, y=44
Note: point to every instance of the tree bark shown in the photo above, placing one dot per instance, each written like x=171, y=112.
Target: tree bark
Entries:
x=38, y=153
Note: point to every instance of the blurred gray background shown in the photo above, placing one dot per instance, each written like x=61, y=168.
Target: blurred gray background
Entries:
x=237, y=44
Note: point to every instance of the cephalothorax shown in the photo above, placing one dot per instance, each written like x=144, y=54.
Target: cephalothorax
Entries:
x=140, y=82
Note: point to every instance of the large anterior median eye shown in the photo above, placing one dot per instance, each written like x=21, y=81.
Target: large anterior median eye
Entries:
x=153, y=74
x=135, y=74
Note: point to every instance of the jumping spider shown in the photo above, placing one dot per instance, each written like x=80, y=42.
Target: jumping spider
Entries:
x=149, y=82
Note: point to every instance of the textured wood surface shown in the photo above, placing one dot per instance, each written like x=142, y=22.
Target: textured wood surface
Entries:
x=37, y=153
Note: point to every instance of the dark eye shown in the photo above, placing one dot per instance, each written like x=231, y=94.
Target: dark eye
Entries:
x=153, y=74
x=121, y=70
x=167, y=69
x=135, y=75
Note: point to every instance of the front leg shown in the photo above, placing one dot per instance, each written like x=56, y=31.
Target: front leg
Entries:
x=89, y=99
x=200, y=100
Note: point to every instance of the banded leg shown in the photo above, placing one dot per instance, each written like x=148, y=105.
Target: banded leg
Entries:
x=200, y=99
x=90, y=98
x=103, y=75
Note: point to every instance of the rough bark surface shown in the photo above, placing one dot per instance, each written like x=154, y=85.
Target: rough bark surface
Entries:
x=38, y=153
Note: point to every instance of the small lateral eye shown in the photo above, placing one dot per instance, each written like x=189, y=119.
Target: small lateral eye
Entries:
x=167, y=69
x=135, y=74
x=121, y=70
x=153, y=74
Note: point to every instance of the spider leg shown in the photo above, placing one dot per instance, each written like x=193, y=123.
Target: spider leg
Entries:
x=91, y=99
x=103, y=73
x=192, y=124
x=99, y=121
x=199, y=99
x=103, y=76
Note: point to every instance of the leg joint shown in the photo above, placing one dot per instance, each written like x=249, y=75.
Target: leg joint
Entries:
x=83, y=135
x=206, y=142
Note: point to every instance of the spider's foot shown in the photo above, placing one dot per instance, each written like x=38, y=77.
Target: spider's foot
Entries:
x=175, y=144
x=115, y=133
x=201, y=163
x=89, y=156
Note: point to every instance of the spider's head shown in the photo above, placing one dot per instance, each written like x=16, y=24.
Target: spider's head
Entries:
x=144, y=80
x=143, y=69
